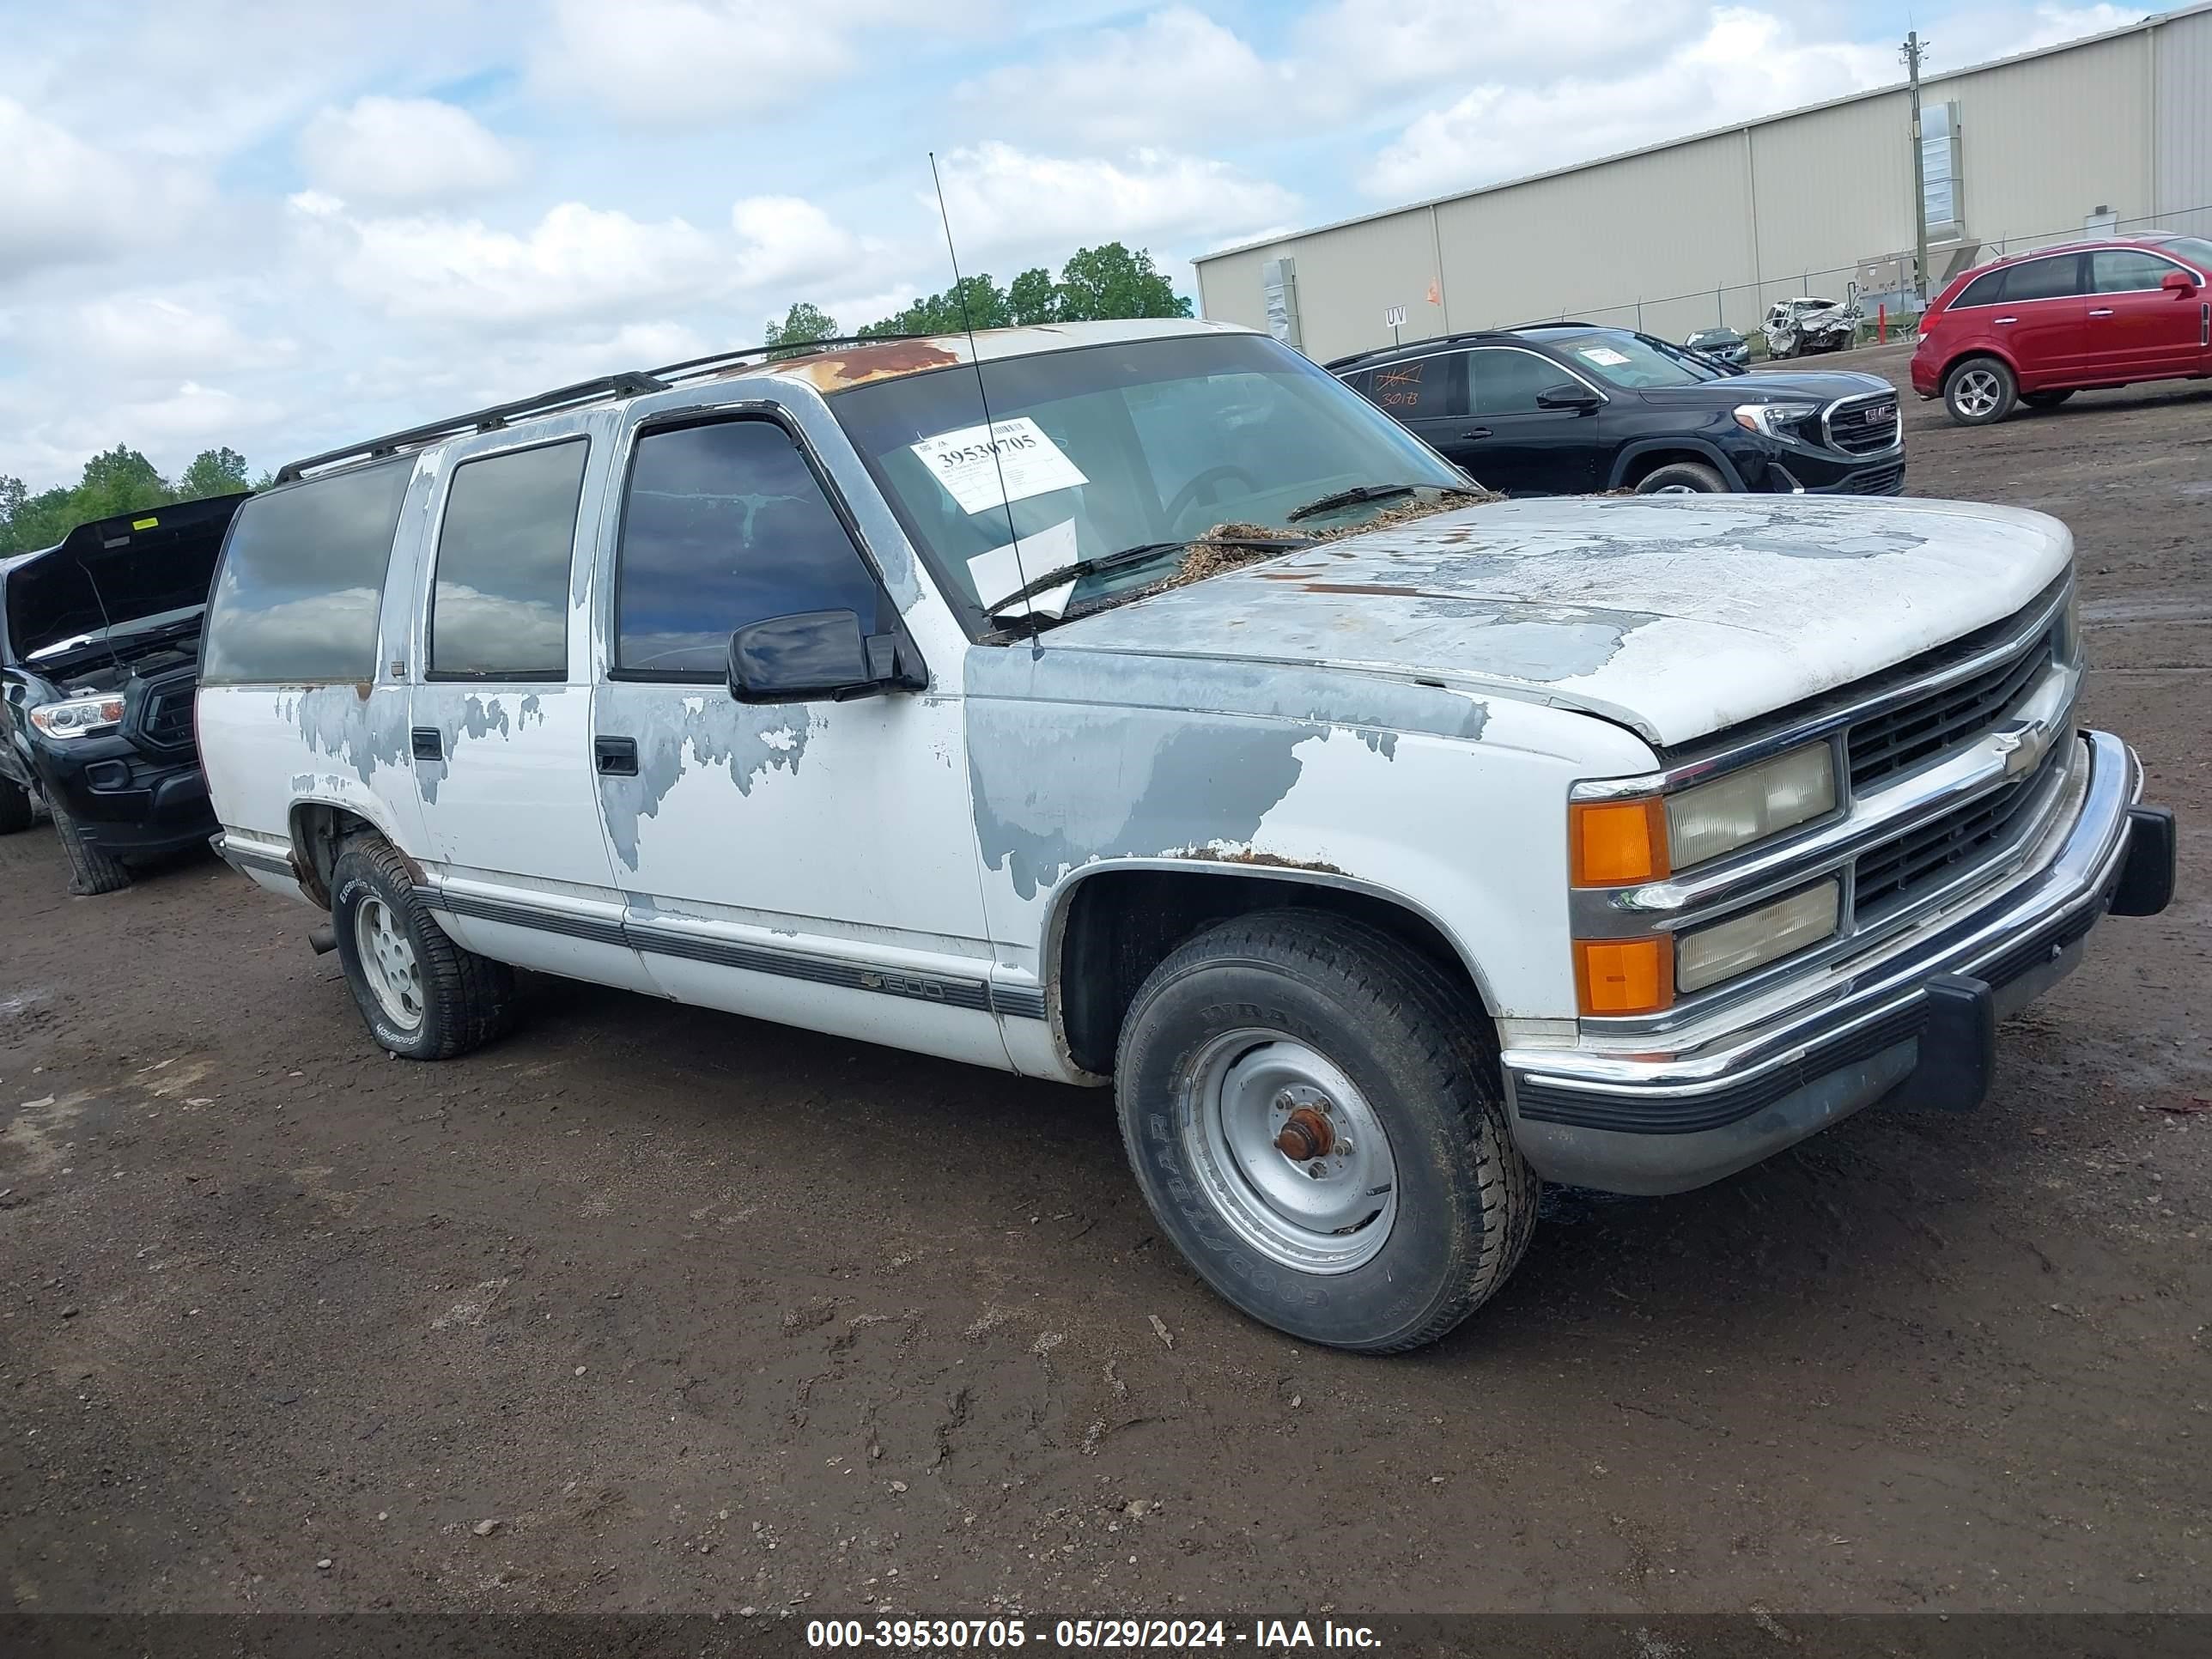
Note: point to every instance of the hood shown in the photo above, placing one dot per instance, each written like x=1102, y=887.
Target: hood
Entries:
x=109, y=573
x=1675, y=616
x=1786, y=386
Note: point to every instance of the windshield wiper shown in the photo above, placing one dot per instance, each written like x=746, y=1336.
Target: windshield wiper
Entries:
x=1143, y=553
x=1360, y=493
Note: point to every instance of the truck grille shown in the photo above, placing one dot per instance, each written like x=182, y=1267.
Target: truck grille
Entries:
x=165, y=716
x=1864, y=428
x=1898, y=871
x=1885, y=744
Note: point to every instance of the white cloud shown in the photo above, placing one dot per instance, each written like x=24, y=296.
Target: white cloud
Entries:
x=1746, y=64
x=786, y=241
x=1003, y=199
x=1354, y=50
x=150, y=334
x=404, y=149
x=1178, y=73
x=675, y=63
x=63, y=202
x=576, y=262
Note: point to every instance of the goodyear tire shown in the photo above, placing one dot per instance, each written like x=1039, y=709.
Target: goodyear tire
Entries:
x=422, y=996
x=92, y=872
x=1313, y=1111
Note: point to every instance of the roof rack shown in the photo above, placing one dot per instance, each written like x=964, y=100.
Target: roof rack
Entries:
x=1453, y=338
x=628, y=384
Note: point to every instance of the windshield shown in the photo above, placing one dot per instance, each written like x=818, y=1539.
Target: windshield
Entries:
x=1623, y=359
x=2195, y=249
x=1110, y=447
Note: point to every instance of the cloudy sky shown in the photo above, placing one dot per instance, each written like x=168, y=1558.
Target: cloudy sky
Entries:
x=279, y=226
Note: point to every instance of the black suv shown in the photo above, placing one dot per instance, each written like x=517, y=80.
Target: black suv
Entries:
x=99, y=645
x=1561, y=409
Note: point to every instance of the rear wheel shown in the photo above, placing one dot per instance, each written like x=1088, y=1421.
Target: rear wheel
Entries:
x=2045, y=399
x=1681, y=478
x=1979, y=392
x=92, y=872
x=422, y=996
x=14, y=807
x=1313, y=1111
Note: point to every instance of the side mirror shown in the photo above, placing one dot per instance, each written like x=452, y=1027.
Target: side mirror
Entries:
x=2178, y=282
x=814, y=656
x=1568, y=396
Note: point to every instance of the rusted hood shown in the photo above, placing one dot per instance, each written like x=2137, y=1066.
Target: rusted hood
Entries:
x=1677, y=615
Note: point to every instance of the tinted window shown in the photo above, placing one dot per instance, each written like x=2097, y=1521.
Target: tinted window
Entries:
x=302, y=579
x=2123, y=270
x=726, y=524
x=1507, y=382
x=1986, y=289
x=2043, y=279
x=1423, y=386
x=501, y=606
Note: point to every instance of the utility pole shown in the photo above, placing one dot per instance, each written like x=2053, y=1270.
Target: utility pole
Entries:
x=1910, y=52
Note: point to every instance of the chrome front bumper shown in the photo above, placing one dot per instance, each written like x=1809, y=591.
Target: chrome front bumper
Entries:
x=1918, y=1017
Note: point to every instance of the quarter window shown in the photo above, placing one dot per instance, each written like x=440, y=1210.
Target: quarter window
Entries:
x=2043, y=279
x=1507, y=382
x=2125, y=270
x=1420, y=386
x=302, y=580
x=500, y=609
x=726, y=524
x=1986, y=289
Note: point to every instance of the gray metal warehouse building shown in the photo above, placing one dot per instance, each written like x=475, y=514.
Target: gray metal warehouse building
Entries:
x=2113, y=132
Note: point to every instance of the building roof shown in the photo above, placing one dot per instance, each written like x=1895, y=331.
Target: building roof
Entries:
x=2153, y=21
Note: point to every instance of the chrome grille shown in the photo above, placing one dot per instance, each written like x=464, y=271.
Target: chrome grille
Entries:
x=1862, y=429
x=1889, y=742
x=1900, y=871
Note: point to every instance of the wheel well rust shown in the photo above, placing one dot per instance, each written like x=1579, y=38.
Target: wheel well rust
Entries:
x=319, y=831
x=1119, y=925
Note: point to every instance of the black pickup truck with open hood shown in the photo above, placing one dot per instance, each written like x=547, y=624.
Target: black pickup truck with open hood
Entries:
x=100, y=649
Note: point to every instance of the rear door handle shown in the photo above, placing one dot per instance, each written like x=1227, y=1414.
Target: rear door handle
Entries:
x=2102, y=311
x=2006, y=322
x=616, y=756
x=430, y=743
x=1476, y=432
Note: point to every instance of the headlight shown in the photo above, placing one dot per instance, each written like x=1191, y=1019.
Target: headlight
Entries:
x=1710, y=954
x=78, y=717
x=1765, y=418
x=1735, y=811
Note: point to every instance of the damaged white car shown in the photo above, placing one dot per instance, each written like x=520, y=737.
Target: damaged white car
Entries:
x=1183, y=724
x=1805, y=326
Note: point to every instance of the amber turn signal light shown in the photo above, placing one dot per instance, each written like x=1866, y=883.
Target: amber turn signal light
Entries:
x=1624, y=975
x=1616, y=843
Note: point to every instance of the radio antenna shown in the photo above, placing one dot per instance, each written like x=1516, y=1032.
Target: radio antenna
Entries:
x=975, y=359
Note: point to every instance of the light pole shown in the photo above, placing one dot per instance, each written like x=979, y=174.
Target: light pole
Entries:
x=1910, y=52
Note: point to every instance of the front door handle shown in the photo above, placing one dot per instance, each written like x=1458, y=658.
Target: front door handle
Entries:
x=1476, y=432
x=430, y=743
x=616, y=756
x=2102, y=311
x=2006, y=322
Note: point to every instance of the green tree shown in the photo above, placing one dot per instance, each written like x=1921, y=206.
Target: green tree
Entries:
x=118, y=481
x=212, y=473
x=1109, y=281
x=1033, y=298
x=985, y=306
x=803, y=323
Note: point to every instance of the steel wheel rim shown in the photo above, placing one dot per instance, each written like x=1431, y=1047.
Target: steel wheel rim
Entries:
x=1327, y=1213
x=388, y=962
x=1978, y=392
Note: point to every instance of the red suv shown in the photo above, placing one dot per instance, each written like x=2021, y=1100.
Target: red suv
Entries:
x=2039, y=327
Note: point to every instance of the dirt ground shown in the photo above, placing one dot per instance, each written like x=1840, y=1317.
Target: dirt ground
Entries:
x=652, y=1309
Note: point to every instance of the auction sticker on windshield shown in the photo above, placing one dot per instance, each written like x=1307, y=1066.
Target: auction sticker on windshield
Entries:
x=1030, y=463
x=1604, y=355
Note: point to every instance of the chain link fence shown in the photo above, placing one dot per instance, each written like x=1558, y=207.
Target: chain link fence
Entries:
x=1742, y=306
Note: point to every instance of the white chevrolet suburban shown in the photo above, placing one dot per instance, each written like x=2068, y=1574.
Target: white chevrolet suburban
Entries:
x=1446, y=847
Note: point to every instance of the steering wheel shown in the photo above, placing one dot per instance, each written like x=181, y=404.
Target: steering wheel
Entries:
x=1188, y=495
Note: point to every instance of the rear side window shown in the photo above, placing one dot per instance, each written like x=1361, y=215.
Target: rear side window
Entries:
x=1507, y=382
x=2125, y=270
x=500, y=607
x=1986, y=289
x=2043, y=279
x=725, y=525
x=302, y=580
x=1423, y=386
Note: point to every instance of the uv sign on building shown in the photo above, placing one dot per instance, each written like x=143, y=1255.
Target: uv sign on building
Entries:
x=2113, y=132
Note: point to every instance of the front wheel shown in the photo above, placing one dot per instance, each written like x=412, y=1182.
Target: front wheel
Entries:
x=1681, y=478
x=423, y=996
x=1979, y=392
x=1313, y=1111
x=92, y=871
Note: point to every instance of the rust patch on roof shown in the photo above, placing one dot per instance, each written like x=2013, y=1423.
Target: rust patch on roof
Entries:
x=838, y=371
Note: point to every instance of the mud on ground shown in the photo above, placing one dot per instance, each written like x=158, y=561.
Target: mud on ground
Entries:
x=700, y=1313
